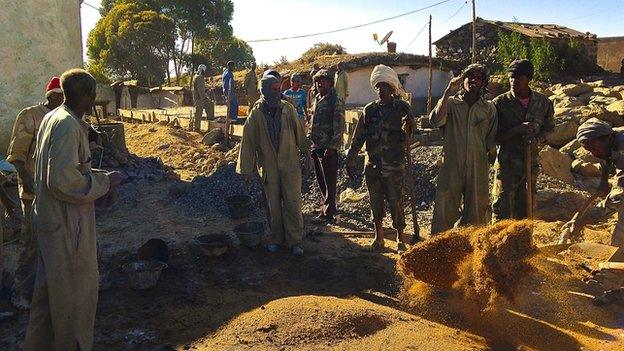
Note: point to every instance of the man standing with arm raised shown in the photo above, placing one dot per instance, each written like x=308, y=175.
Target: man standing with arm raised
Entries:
x=469, y=124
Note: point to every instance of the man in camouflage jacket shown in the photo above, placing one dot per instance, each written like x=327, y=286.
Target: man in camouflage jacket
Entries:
x=325, y=133
x=381, y=128
x=524, y=116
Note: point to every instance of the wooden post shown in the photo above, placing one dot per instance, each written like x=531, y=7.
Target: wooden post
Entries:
x=474, y=32
x=429, y=102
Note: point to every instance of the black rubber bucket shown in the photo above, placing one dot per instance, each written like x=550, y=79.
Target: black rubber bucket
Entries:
x=239, y=206
x=250, y=233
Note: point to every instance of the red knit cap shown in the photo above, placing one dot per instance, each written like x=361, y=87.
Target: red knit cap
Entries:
x=54, y=86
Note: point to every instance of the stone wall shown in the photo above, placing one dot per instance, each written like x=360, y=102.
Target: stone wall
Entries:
x=611, y=53
x=40, y=39
x=458, y=45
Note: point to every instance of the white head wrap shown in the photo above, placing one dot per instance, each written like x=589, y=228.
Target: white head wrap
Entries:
x=385, y=74
x=201, y=68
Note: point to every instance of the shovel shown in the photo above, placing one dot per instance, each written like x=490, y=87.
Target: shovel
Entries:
x=565, y=235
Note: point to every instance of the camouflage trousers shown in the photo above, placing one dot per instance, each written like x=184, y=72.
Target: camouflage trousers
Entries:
x=390, y=189
x=509, y=194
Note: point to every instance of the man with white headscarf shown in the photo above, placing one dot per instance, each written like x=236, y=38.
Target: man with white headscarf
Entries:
x=606, y=143
x=201, y=99
x=469, y=124
x=381, y=128
x=272, y=141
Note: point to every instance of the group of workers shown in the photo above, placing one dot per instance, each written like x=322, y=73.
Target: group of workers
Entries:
x=473, y=127
x=503, y=134
x=57, y=277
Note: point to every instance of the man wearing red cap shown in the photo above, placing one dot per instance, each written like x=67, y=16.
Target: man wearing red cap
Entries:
x=21, y=155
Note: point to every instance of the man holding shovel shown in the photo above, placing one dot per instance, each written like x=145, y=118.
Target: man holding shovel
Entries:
x=606, y=143
x=525, y=118
x=381, y=128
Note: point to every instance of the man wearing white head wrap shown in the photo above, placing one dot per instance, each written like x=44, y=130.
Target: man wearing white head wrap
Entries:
x=382, y=73
x=380, y=128
x=201, y=99
x=469, y=124
x=606, y=143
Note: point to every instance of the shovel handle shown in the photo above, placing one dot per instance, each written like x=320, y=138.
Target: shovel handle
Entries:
x=611, y=265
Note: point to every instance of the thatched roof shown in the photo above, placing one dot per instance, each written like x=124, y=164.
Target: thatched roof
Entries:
x=352, y=62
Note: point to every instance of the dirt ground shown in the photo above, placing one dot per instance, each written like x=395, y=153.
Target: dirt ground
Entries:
x=336, y=297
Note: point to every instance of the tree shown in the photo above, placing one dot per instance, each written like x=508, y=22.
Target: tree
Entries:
x=216, y=52
x=511, y=46
x=194, y=19
x=320, y=49
x=544, y=58
x=131, y=41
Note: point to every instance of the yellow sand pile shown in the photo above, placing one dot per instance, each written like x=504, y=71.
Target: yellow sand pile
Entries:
x=331, y=323
x=480, y=263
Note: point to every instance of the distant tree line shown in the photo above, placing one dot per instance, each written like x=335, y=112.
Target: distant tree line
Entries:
x=158, y=41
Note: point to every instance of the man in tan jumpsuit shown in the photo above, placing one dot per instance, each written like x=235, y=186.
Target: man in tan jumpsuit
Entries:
x=62, y=312
x=21, y=154
x=251, y=85
x=469, y=125
x=273, y=140
x=342, y=82
x=202, y=102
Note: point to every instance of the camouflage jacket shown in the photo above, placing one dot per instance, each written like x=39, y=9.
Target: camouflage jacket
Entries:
x=381, y=128
x=328, y=121
x=511, y=114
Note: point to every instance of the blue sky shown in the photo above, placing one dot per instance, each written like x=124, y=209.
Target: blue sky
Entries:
x=260, y=19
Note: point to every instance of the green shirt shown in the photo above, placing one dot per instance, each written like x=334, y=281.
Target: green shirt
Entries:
x=380, y=127
x=328, y=121
x=511, y=114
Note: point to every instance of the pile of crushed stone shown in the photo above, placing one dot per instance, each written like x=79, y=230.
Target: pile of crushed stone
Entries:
x=477, y=263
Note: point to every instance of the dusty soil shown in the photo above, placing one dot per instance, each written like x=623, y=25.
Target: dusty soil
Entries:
x=337, y=296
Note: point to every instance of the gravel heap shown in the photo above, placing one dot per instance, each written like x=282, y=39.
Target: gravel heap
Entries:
x=206, y=194
x=133, y=167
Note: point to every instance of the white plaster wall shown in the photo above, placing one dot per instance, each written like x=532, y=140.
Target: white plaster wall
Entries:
x=417, y=82
x=38, y=39
x=168, y=99
x=105, y=93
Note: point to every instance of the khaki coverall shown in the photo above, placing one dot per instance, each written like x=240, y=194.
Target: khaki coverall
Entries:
x=342, y=85
x=251, y=87
x=62, y=313
x=469, y=135
x=22, y=148
x=201, y=103
x=280, y=170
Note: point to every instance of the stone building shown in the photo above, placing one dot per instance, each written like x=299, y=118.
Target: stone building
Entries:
x=611, y=53
x=457, y=45
x=40, y=39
